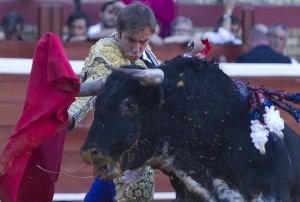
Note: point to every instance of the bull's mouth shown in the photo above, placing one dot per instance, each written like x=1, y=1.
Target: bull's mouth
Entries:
x=103, y=166
x=107, y=171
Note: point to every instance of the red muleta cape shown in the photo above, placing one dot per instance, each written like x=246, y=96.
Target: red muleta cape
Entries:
x=37, y=140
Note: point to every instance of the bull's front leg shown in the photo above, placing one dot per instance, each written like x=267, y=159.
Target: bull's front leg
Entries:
x=224, y=193
x=189, y=190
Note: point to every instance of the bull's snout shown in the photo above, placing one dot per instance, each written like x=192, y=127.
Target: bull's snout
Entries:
x=92, y=156
x=102, y=165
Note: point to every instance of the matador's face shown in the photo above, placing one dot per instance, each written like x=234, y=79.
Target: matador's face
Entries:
x=133, y=44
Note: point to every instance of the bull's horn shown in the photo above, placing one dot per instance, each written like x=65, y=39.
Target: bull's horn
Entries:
x=146, y=77
x=91, y=88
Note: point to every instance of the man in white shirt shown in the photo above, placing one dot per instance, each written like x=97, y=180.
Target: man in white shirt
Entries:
x=228, y=27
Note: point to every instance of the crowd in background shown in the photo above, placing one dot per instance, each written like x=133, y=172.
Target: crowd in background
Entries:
x=228, y=28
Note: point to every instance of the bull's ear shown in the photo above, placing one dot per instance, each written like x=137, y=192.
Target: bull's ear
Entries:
x=155, y=97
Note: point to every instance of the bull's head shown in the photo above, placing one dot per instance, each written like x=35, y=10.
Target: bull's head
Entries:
x=116, y=140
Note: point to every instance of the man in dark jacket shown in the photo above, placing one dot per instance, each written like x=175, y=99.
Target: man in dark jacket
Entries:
x=260, y=51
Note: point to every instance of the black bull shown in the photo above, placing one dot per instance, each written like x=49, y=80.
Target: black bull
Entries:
x=195, y=127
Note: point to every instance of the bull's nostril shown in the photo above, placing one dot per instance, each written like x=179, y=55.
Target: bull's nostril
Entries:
x=94, y=157
x=90, y=156
x=94, y=152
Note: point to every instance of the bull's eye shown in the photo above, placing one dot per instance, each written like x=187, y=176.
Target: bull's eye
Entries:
x=128, y=107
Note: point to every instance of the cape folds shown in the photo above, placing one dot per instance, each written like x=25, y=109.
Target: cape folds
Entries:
x=38, y=138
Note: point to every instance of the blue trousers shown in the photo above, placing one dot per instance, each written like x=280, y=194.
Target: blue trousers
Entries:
x=101, y=191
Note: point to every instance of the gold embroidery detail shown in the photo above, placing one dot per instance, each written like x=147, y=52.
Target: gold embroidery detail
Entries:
x=143, y=190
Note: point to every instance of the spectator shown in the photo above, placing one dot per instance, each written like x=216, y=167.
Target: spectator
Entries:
x=108, y=17
x=228, y=27
x=260, y=51
x=12, y=25
x=182, y=26
x=279, y=34
x=181, y=30
x=78, y=24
